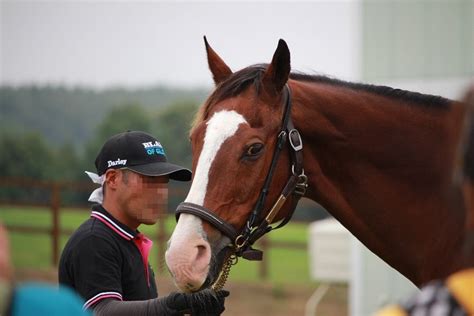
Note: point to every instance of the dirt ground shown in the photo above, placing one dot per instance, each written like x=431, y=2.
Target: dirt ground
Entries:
x=250, y=299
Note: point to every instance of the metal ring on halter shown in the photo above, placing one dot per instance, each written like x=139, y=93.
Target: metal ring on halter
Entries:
x=238, y=244
x=293, y=171
x=301, y=177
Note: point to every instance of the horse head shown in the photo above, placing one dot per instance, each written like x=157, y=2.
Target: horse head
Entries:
x=233, y=143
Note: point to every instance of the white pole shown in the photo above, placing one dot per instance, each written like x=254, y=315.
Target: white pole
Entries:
x=313, y=301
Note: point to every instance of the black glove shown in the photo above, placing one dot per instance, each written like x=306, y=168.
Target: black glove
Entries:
x=203, y=303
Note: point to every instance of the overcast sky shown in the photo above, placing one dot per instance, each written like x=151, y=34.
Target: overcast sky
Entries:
x=131, y=44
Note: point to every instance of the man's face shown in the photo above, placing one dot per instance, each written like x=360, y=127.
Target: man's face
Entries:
x=142, y=198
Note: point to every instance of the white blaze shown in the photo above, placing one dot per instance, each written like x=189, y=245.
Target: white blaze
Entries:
x=220, y=127
x=188, y=234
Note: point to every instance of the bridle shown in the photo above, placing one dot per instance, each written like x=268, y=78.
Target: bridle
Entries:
x=296, y=184
x=242, y=241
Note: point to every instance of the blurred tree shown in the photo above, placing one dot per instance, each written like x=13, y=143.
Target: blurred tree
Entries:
x=122, y=118
x=67, y=164
x=34, y=145
x=77, y=111
x=25, y=155
x=172, y=129
x=119, y=119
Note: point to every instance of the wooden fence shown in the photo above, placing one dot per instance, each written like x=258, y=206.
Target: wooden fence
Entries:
x=55, y=204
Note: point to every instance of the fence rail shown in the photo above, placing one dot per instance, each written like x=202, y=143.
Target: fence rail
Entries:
x=55, y=189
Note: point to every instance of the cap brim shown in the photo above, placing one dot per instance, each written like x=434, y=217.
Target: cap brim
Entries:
x=157, y=169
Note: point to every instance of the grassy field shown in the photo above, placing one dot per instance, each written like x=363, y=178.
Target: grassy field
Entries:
x=33, y=251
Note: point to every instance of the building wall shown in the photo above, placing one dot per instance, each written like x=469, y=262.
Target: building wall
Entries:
x=412, y=39
x=423, y=45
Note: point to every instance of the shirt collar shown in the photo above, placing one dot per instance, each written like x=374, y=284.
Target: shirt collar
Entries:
x=99, y=212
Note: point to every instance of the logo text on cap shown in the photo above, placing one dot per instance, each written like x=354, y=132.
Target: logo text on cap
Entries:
x=117, y=162
x=154, y=147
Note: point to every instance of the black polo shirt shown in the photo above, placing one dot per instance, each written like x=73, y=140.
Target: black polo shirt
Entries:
x=106, y=259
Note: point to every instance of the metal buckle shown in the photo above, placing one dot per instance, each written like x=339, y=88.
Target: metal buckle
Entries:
x=299, y=146
x=302, y=185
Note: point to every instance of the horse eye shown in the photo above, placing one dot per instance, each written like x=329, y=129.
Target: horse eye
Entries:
x=253, y=150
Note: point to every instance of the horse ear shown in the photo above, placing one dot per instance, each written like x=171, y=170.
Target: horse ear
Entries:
x=277, y=73
x=220, y=71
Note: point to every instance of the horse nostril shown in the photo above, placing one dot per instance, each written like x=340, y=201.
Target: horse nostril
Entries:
x=201, y=251
x=203, y=255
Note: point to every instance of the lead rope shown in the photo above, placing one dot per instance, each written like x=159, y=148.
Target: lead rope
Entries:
x=224, y=274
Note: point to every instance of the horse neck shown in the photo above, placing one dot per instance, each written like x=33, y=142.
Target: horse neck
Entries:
x=383, y=169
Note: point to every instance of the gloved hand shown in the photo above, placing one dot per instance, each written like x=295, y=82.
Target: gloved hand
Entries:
x=203, y=303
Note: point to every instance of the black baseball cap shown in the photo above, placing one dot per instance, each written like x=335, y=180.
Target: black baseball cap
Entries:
x=139, y=152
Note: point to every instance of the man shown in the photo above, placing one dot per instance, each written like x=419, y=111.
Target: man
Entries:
x=106, y=259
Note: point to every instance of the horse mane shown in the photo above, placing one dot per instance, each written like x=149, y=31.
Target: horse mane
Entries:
x=241, y=79
x=403, y=95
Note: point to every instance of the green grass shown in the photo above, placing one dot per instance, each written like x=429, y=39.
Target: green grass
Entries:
x=34, y=250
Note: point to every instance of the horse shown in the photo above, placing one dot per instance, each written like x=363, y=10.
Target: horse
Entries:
x=378, y=159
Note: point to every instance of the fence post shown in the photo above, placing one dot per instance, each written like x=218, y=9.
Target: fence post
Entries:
x=55, y=204
x=263, y=271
